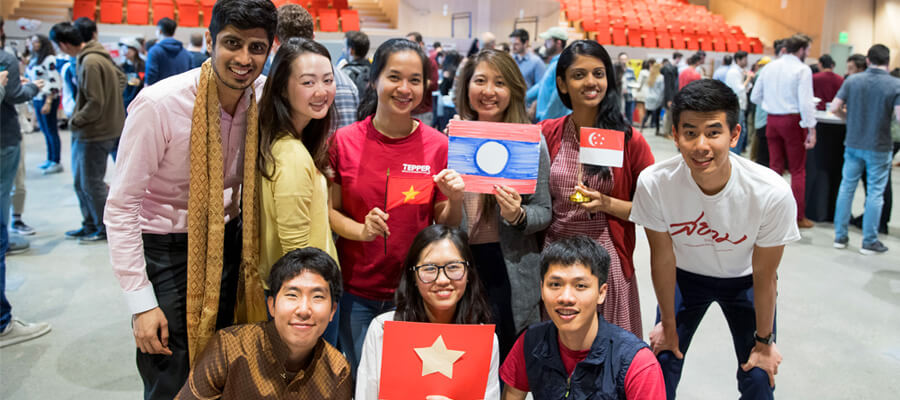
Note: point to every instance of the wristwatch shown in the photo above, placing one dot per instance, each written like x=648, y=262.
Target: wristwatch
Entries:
x=765, y=340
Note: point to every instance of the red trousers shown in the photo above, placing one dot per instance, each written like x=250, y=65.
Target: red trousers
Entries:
x=786, y=141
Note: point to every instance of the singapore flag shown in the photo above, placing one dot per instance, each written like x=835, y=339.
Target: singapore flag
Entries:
x=602, y=147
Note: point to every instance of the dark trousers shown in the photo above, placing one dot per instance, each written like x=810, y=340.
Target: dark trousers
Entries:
x=762, y=147
x=653, y=115
x=492, y=271
x=786, y=145
x=166, y=257
x=693, y=295
x=88, y=169
x=50, y=127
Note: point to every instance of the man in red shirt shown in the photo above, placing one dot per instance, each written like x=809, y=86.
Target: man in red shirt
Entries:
x=578, y=354
x=826, y=83
x=690, y=73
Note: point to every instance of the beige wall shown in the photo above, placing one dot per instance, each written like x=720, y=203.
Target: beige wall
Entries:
x=767, y=20
x=866, y=21
x=428, y=17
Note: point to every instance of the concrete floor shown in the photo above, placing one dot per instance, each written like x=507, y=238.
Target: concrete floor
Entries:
x=838, y=311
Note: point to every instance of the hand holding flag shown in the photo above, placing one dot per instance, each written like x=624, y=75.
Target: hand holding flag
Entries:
x=375, y=225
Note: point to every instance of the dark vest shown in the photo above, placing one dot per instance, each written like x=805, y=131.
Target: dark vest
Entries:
x=600, y=376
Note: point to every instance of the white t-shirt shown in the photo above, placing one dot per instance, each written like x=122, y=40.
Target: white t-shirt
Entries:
x=715, y=235
x=368, y=374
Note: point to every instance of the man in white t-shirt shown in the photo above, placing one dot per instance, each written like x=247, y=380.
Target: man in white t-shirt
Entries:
x=717, y=225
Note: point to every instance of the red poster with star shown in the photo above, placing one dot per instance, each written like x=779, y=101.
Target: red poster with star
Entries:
x=422, y=359
x=403, y=190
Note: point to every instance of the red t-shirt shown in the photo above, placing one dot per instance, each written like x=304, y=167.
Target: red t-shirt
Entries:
x=689, y=75
x=644, y=379
x=361, y=156
x=825, y=86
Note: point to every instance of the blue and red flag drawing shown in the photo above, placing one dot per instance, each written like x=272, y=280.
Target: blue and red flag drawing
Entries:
x=495, y=153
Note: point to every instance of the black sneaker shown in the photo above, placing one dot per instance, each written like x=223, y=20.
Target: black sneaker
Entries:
x=93, y=238
x=841, y=243
x=19, y=227
x=874, y=248
x=79, y=233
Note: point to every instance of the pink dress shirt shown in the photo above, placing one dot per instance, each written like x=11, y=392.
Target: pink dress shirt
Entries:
x=150, y=191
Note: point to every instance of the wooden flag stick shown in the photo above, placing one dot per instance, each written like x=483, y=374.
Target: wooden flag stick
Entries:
x=387, y=177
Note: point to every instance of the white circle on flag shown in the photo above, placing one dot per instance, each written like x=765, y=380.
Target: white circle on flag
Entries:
x=491, y=157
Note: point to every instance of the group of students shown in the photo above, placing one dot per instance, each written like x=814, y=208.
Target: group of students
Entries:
x=224, y=175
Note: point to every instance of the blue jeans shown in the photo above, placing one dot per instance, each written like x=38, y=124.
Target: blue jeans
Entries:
x=693, y=295
x=9, y=163
x=877, y=166
x=356, y=315
x=49, y=127
x=629, y=110
x=88, y=169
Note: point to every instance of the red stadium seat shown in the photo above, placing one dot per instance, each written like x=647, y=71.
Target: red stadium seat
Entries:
x=340, y=4
x=634, y=37
x=206, y=6
x=650, y=38
x=663, y=40
x=618, y=36
x=603, y=36
x=677, y=39
x=319, y=4
x=138, y=12
x=705, y=42
x=163, y=9
x=84, y=8
x=188, y=13
x=691, y=42
x=731, y=45
x=111, y=12
x=349, y=20
x=328, y=20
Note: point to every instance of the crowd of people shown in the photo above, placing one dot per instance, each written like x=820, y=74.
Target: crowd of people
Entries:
x=250, y=230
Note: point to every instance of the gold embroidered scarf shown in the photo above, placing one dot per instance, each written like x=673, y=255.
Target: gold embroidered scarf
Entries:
x=206, y=219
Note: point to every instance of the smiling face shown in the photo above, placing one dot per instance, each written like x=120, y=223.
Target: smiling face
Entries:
x=302, y=309
x=238, y=56
x=585, y=82
x=488, y=93
x=571, y=294
x=703, y=138
x=442, y=295
x=311, y=86
x=400, y=84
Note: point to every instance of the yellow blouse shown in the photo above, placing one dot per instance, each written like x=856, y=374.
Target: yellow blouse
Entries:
x=294, y=206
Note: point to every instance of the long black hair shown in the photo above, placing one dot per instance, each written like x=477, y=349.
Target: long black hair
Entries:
x=45, y=50
x=369, y=102
x=275, y=110
x=472, y=307
x=609, y=115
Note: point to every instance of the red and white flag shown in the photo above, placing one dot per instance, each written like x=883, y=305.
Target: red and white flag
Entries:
x=602, y=147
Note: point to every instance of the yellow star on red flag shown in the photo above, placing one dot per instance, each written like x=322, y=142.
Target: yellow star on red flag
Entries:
x=437, y=358
x=410, y=194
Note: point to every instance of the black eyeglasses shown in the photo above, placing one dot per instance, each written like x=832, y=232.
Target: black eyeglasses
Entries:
x=454, y=270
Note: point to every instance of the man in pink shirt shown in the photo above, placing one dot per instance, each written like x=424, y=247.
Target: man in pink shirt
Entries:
x=147, y=210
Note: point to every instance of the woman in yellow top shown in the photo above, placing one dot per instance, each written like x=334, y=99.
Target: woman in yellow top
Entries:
x=296, y=116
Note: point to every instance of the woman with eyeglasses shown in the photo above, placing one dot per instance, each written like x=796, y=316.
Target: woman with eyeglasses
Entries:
x=438, y=285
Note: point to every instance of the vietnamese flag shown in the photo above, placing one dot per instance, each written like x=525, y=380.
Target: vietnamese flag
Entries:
x=602, y=147
x=402, y=190
x=421, y=359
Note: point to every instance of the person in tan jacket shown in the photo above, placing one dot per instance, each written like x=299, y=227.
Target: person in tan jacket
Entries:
x=96, y=125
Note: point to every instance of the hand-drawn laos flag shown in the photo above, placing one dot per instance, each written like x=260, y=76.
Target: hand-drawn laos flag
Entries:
x=602, y=147
x=495, y=153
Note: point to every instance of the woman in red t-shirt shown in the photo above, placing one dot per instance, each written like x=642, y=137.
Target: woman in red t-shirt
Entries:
x=503, y=226
x=586, y=84
x=386, y=155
